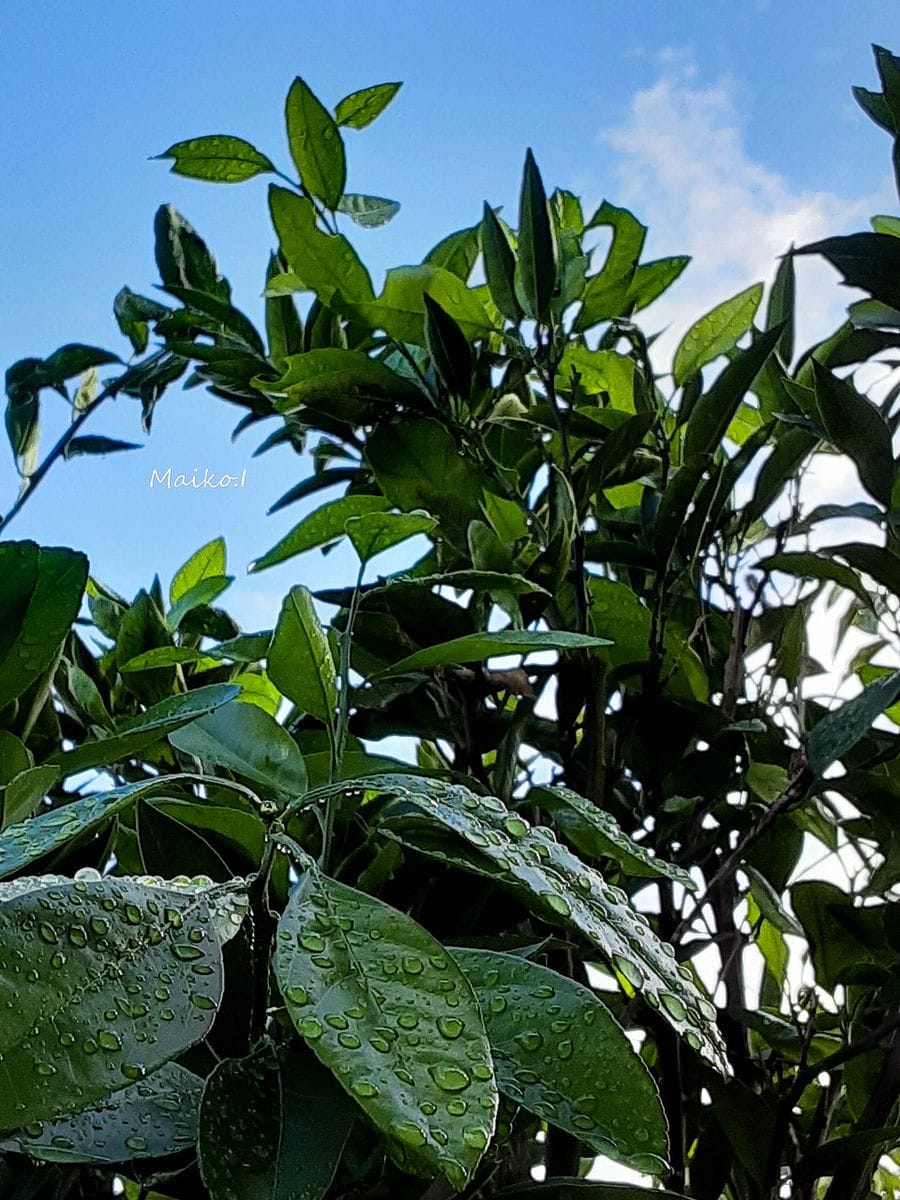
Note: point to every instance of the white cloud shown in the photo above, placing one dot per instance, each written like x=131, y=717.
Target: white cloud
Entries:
x=684, y=169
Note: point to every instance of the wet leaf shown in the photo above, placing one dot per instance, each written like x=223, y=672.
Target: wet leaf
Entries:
x=218, y=158
x=67, y=1044
x=716, y=333
x=321, y=527
x=561, y=1054
x=360, y=109
x=384, y=1006
x=316, y=145
x=477, y=647
x=300, y=661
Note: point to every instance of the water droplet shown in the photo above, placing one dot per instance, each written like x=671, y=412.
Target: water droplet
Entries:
x=364, y=1089
x=673, y=1006
x=48, y=933
x=296, y=995
x=530, y=1041
x=349, y=1041
x=409, y=1134
x=109, y=1040
x=413, y=965
x=407, y=1020
x=449, y=1079
x=450, y=1027
x=476, y=1138
x=310, y=1028
x=456, y=1108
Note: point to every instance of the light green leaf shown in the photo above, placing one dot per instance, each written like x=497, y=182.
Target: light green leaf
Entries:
x=218, y=158
x=272, y=1127
x=63, y=1048
x=716, y=333
x=300, y=661
x=559, y=886
x=373, y=995
x=375, y=532
x=207, y=562
x=360, y=109
x=320, y=528
x=40, y=595
x=316, y=145
x=651, y=279
x=24, y=793
x=138, y=732
x=598, y=835
x=843, y=727
x=169, y=656
x=609, y=292
x=152, y=1118
x=368, y=211
x=323, y=378
x=578, y=1070
x=400, y=309
x=325, y=263
x=245, y=739
x=478, y=647
x=203, y=592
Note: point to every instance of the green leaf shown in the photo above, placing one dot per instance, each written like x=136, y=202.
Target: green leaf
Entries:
x=135, y=734
x=61, y=1042
x=597, y=834
x=326, y=263
x=651, y=279
x=368, y=211
x=499, y=265
x=715, y=409
x=95, y=444
x=537, y=244
x=203, y=592
x=272, y=1127
x=377, y=531
x=300, y=661
x=183, y=258
x=838, y=732
x=383, y=1005
x=836, y=929
x=40, y=595
x=583, y=1189
x=133, y=314
x=24, y=381
x=559, y=886
x=449, y=350
x=417, y=465
x=870, y=261
x=855, y=426
x=609, y=292
x=284, y=329
x=248, y=741
x=716, y=333
x=477, y=647
x=321, y=527
x=316, y=145
x=207, y=562
x=323, y=379
x=218, y=158
x=15, y=757
x=400, y=309
x=24, y=793
x=781, y=306
x=456, y=252
x=360, y=109
x=152, y=1118
x=169, y=656
x=577, y=1071
x=808, y=564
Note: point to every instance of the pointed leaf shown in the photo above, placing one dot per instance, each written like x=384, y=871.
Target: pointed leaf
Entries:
x=855, y=426
x=218, y=158
x=499, y=265
x=321, y=527
x=183, y=258
x=373, y=994
x=477, y=647
x=300, y=661
x=839, y=731
x=60, y=1041
x=360, y=109
x=537, y=244
x=378, y=531
x=316, y=145
x=716, y=333
x=368, y=211
x=324, y=263
x=578, y=1071
x=94, y=444
x=609, y=292
x=449, y=349
x=203, y=592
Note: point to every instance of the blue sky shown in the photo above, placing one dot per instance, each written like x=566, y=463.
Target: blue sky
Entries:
x=728, y=128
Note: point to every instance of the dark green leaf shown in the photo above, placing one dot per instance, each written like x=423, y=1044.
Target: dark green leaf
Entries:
x=870, y=261
x=246, y=740
x=808, y=564
x=74, y=358
x=63, y=1045
x=609, y=293
x=537, y=244
x=323, y=379
x=499, y=265
x=478, y=647
x=373, y=995
x=138, y=732
x=843, y=727
x=715, y=409
x=321, y=527
x=272, y=1127
x=217, y=157
x=133, y=314
x=152, y=1118
x=183, y=258
x=40, y=595
x=203, y=592
x=449, y=349
x=94, y=444
x=375, y=532
x=316, y=145
x=417, y=465
x=577, y=1071
x=360, y=109
x=855, y=426
x=300, y=661
x=780, y=309
x=651, y=279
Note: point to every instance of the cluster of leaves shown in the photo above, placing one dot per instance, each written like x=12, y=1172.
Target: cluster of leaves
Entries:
x=241, y=954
